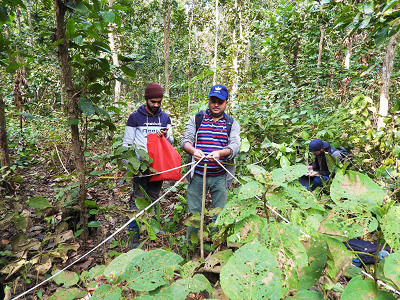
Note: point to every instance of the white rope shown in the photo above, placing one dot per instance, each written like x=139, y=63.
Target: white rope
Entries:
x=152, y=174
x=308, y=236
x=110, y=237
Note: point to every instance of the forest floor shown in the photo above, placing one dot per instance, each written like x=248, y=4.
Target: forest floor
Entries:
x=112, y=198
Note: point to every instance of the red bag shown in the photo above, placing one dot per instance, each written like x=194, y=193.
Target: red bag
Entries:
x=164, y=156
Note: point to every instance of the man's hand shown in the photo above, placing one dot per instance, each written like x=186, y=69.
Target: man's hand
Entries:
x=198, y=154
x=315, y=174
x=309, y=168
x=213, y=156
x=162, y=132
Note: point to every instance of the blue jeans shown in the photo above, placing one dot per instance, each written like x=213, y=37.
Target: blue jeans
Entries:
x=218, y=190
x=312, y=182
x=152, y=189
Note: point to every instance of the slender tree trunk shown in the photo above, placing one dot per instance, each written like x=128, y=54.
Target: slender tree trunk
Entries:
x=4, y=151
x=167, y=25
x=387, y=69
x=295, y=55
x=117, y=87
x=349, y=46
x=320, y=48
x=216, y=43
x=235, y=61
x=73, y=110
x=189, y=71
x=30, y=22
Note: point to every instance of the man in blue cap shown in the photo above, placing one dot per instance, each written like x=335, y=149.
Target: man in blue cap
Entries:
x=319, y=168
x=211, y=135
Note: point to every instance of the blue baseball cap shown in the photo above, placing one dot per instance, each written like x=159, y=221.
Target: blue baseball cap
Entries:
x=317, y=144
x=219, y=91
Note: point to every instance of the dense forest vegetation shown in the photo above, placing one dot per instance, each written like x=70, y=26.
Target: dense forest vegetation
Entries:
x=72, y=71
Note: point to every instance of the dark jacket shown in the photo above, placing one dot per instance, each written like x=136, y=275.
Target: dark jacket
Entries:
x=319, y=165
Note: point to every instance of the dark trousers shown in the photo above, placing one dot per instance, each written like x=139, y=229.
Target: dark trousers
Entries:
x=311, y=182
x=152, y=189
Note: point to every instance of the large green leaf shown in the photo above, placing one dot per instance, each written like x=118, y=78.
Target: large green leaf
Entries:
x=86, y=106
x=39, y=203
x=361, y=289
x=66, y=278
x=181, y=289
x=317, y=256
x=217, y=261
x=391, y=268
x=339, y=259
x=236, y=210
x=252, y=273
x=92, y=273
x=306, y=295
x=107, y=292
x=258, y=172
x=150, y=270
x=250, y=189
x=391, y=227
x=348, y=224
x=285, y=239
x=284, y=175
x=356, y=187
x=114, y=271
x=247, y=229
x=245, y=146
x=108, y=16
x=67, y=294
x=296, y=194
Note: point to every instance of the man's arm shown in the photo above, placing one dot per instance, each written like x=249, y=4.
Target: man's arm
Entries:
x=196, y=153
x=234, y=142
x=188, y=140
x=129, y=136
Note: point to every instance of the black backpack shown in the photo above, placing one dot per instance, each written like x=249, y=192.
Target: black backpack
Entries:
x=346, y=155
x=200, y=116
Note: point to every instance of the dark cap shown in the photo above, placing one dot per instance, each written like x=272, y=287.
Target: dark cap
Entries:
x=153, y=90
x=219, y=91
x=317, y=144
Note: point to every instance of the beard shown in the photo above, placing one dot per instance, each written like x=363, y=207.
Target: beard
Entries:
x=154, y=110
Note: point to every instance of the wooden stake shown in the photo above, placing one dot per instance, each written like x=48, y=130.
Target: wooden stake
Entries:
x=203, y=205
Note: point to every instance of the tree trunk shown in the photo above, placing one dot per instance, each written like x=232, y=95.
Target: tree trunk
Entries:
x=4, y=151
x=387, y=69
x=295, y=55
x=320, y=48
x=235, y=60
x=117, y=87
x=349, y=45
x=167, y=25
x=28, y=7
x=73, y=110
x=216, y=43
x=189, y=62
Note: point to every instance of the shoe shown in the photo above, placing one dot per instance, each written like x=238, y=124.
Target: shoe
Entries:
x=134, y=242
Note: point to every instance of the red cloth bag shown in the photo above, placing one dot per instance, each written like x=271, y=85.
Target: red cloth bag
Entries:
x=164, y=156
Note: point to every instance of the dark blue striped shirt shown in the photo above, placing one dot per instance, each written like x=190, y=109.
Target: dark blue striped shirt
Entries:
x=211, y=136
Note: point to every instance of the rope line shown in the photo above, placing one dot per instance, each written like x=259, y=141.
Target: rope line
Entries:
x=152, y=174
x=308, y=236
x=110, y=237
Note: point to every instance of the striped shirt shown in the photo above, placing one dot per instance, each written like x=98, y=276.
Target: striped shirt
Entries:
x=211, y=136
